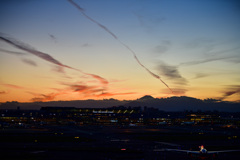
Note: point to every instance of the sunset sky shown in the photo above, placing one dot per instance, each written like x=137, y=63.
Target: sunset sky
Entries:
x=101, y=49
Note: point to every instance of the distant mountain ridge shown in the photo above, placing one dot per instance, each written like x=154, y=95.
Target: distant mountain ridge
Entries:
x=165, y=104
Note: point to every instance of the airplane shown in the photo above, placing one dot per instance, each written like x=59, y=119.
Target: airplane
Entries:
x=202, y=154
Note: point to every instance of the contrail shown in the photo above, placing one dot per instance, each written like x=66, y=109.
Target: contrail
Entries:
x=34, y=52
x=47, y=57
x=115, y=37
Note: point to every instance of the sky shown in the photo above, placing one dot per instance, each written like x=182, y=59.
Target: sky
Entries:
x=53, y=50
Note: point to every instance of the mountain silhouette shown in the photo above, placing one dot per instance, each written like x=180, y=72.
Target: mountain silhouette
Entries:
x=165, y=104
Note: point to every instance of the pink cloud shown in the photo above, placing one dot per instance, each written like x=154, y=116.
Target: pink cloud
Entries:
x=108, y=94
x=12, y=86
x=3, y=92
x=46, y=97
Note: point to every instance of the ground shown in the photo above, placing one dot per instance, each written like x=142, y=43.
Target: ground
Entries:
x=59, y=142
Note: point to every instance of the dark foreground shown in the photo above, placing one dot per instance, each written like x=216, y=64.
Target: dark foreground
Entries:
x=115, y=143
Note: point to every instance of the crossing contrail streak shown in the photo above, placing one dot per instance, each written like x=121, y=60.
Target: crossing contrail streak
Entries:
x=115, y=37
x=47, y=57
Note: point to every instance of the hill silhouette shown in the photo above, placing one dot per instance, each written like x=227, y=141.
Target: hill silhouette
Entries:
x=165, y=104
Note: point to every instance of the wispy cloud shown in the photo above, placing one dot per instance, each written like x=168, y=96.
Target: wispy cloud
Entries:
x=53, y=37
x=85, y=89
x=58, y=69
x=200, y=75
x=102, y=80
x=82, y=89
x=3, y=92
x=108, y=94
x=86, y=45
x=116, y=38
x=12, y=86
x=232, y=90
x=223, y=55
x=206, y=60
x=117, y=80
x=39, y=97
x=94, y=91
x=30, y=62
x=180, y=91
x=13, y=52
x=46, y=57
x=234, y=59
x=177, y=91
x=171, y=72
x=27, y=48
x=163, y=47
x=205, y=43
x=148, y=22
x=44, y=97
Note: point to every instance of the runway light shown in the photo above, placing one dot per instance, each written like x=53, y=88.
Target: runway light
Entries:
x=123, y=149
x=76, y=137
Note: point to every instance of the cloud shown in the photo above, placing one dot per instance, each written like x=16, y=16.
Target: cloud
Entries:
x=232, y=90
x=176, y=92
x=92, y=91
x=202, y=42
x=30, y=62
x=206, y=60
x=108, y=94
x=20, y=54
x=47, y=97
x=53, y=37
x=234, y=60
x=46, y=57
x=171, y=72
x=95, y=91
x=180, y=91
x=86, y=45
x=31, y=50
x=214, y=56
x=200, y=75
x=148, y=22
x=13, y=52
x=3, y=92
x=12, y=86
x=225, y=51
x=58, y=69
x=102, y=80
x=87, y=90
x=117, y=80
x=163, y=47
x=116, y=38
x=82, y=89
x=43, y=97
